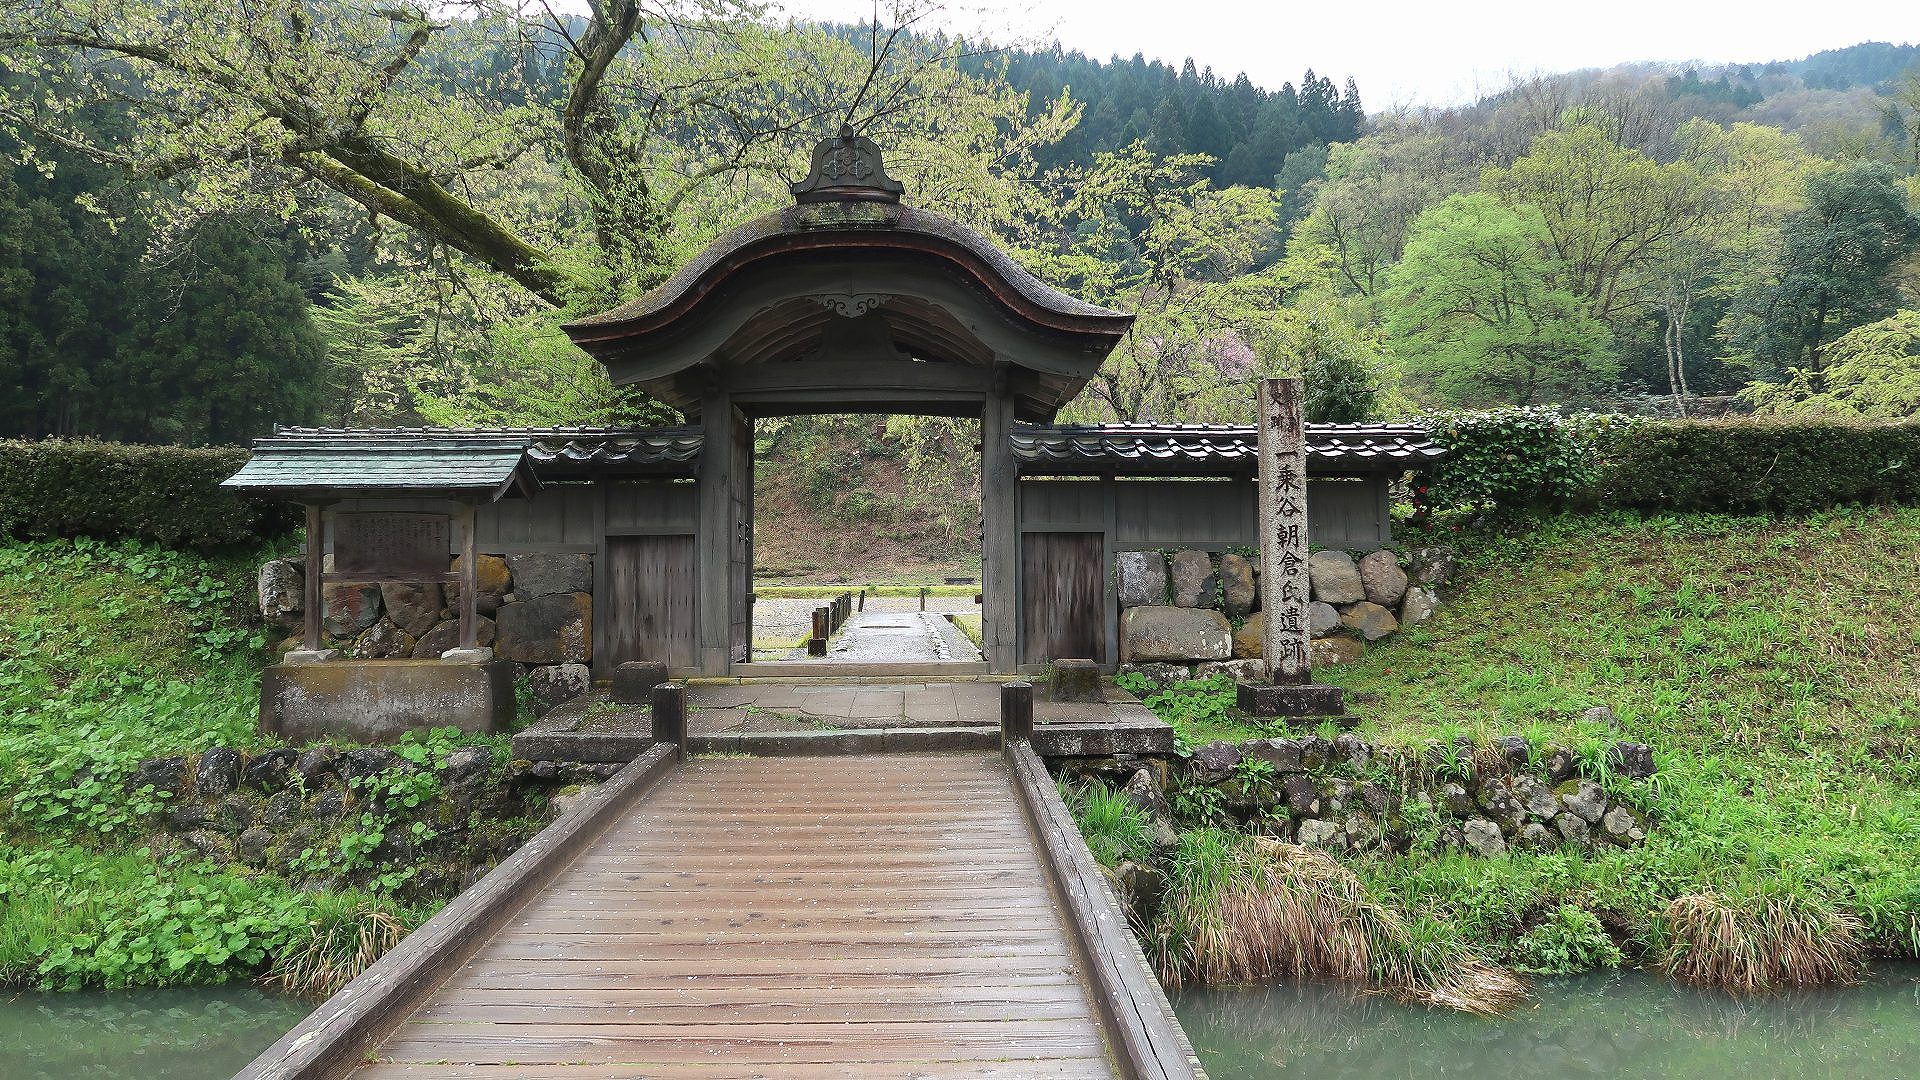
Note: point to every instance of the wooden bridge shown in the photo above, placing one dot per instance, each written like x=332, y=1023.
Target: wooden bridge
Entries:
x=898, y=915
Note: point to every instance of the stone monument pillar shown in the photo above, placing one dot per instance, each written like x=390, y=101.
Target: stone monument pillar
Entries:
x=1284, y=590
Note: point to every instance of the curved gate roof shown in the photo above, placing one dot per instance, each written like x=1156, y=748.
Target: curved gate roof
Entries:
x=848, y=299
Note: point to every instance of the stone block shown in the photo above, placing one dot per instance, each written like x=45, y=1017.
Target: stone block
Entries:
x=1417, y=606
x=492, y=579
x=1140, y=578
x=282, y=590
x=349, y=609
x=1322, y=619
x=556, y=629
x=217, y=772
x=1369, y=620
x=366, y=701
x=1159, y=674
x=1334, y=578
x=1632, y=760
x=480, y=655
x=1076, y=680
x=1380, y=575
x=1237, y=586
x=1340, y=649
x=1311, y=699
x=633, y=681
x=1247, y=670
x=413, y=606
x=556, y=684
x=1195, y=585
x=1250, y=641
x=1174, y=634
x=1431, y=567
x=546, y=573
x=382, y=641
x=446, y=635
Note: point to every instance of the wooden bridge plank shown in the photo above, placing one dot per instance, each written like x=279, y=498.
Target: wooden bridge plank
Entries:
x=788, y=917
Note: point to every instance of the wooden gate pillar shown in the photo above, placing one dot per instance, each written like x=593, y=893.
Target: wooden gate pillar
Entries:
x=1000, y=532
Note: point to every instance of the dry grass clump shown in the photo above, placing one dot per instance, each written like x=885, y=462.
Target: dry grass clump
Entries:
x=1789, y=940
x=339, y=946
x=1247, y=912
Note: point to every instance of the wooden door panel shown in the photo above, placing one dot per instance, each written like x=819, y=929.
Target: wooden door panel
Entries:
x=1063, y=610
x=650, y=591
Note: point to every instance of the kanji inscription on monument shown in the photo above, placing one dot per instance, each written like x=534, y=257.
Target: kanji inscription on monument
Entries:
x=403, y=546
x=1284, y=585
x=1283, y=515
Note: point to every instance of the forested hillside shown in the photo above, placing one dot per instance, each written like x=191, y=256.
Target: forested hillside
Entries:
x=443, y=194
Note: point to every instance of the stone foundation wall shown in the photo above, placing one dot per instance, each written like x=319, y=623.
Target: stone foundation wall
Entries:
x=535, y=610
x=1345, y=794
x=267, y=808
x=1196, y=613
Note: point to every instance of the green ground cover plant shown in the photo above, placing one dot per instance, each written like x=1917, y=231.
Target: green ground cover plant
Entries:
x=116, y=651
x=1770, y=662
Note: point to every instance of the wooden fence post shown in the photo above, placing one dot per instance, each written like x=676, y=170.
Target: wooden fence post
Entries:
x=822, y=630
x=669, y=702
x=1016, y=712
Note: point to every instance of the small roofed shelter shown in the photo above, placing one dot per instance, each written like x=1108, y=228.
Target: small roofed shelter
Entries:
x=320, y=472
x=850, y=301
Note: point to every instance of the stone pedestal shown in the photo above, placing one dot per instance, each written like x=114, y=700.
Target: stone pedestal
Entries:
x=1076, y=680
x=1304, y=699
x=634, y=680
x=375, y=701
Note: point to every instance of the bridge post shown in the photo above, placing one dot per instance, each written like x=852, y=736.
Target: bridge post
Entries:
x=669, y=701
x=1016, y=712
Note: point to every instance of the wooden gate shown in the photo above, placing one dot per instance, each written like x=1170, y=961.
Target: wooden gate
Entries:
x=650, y=588
x=1063, y=597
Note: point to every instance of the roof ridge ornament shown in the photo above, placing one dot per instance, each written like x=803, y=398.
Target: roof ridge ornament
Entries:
x=847, y=168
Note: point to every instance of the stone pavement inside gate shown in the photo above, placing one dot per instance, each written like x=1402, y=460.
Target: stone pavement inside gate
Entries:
x=840, y=715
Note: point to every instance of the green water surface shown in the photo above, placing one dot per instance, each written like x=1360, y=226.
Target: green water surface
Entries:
x=206, y=1033
x=1614, y=1025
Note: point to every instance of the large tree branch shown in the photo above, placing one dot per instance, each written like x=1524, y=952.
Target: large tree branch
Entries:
x=395, y=189
x=613, y=24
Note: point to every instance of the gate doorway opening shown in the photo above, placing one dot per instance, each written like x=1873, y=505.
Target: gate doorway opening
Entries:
x=866, y=527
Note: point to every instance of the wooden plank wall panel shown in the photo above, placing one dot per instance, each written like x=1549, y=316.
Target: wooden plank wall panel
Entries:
x=1217, y=514
x=1062, y=597
x=649, y=593
x=1063, y=505
x=781, y=917
x=653, y=506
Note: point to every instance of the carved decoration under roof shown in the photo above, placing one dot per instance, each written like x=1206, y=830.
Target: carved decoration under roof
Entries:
x=847, y=168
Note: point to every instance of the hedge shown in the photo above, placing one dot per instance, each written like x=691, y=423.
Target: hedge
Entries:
x=1521, y=459
x=167, y=494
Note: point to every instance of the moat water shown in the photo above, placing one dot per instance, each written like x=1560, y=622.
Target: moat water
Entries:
x=1622, y=1025
x=205, y=1033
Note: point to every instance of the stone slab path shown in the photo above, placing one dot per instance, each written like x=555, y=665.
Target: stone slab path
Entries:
x=894, y=637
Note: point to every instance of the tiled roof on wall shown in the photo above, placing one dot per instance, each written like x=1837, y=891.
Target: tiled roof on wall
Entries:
x=1215, y=448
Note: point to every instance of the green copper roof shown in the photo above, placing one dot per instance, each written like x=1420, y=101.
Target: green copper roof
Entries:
x=465, y=467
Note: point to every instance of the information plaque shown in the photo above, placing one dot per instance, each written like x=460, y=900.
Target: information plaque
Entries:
x=392, y=545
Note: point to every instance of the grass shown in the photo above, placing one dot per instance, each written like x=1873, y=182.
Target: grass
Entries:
x=970, y=626
x=115, y=652
x=1772, y=666
x=1242, y=909
x=1115, y=830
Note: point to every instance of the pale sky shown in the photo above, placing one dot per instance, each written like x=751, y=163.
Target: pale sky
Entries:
x=1427, y=53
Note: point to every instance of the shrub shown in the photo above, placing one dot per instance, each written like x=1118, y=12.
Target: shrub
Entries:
x=1570, y=941
x=1754, y=466
x=1520, y=460
x=1515, y=459
x=169, y=494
